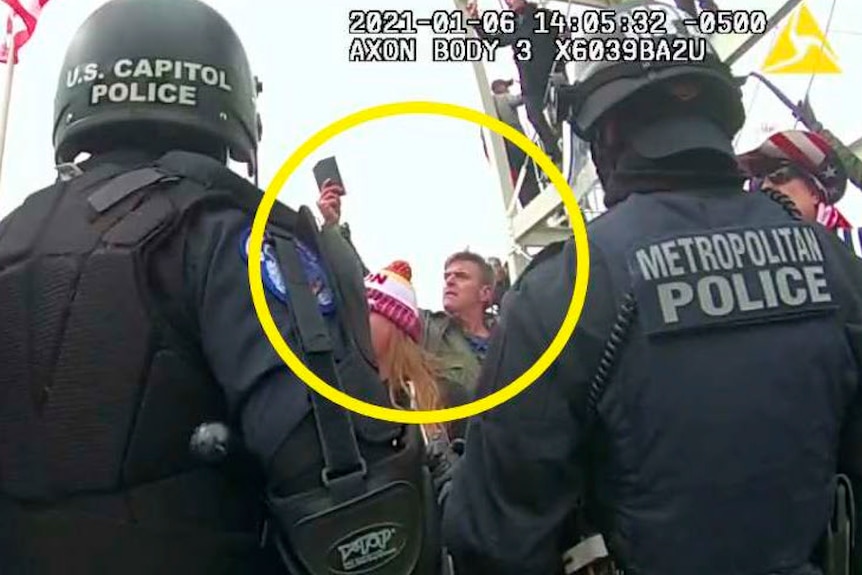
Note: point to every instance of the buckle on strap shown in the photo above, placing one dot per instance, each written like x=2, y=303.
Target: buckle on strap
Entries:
x=587, y=551
x=332, y=481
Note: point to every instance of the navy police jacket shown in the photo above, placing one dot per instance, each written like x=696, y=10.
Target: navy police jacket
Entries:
x=732, y=402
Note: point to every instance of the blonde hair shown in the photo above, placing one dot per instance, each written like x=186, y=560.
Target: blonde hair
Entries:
x=408, y=365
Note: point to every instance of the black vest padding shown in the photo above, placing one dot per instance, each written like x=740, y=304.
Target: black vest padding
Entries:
x=720, y=425
x=78, y=352
x=99, y=396
x=221, y=186
x=100, y=391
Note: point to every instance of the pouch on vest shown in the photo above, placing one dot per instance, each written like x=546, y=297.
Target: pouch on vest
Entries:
x=373, y=518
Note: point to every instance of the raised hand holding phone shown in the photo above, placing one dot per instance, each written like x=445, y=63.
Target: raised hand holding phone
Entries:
x=329, y=182
x=327, y=169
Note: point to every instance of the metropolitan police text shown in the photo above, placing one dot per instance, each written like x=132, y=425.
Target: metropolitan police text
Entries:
x=731, y=272
x=149, y=80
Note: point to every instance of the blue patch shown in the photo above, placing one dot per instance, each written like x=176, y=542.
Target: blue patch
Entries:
x=316, y=279
x=273, y=280
x=270, y=272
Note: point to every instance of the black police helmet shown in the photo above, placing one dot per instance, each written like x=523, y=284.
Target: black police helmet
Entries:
x=173, y=68
x=603, y=86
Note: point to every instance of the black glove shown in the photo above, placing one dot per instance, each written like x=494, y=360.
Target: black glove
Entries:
x=443, y=458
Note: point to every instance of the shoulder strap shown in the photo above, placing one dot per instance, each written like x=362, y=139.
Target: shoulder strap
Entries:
x=334, y=424
x=120, y=187
x=215, y=176
x=92, y=178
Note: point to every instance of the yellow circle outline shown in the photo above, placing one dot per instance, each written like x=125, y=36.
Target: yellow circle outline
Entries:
x=579, y=293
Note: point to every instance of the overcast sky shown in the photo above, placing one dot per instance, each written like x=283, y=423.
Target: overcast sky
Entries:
x=419, y=187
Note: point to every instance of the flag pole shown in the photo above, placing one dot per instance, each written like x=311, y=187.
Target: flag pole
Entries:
x=7, y=91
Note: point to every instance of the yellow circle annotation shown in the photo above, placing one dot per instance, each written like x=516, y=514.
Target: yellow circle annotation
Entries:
x=573, y=313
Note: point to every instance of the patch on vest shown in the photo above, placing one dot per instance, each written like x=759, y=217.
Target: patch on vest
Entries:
x=729, y=277
x=367, y=549
x=316, y=277
x=270, y=271
x=273, y=280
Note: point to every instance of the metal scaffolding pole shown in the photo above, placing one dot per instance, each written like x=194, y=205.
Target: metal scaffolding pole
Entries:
x=497, y=147
x=542, y=221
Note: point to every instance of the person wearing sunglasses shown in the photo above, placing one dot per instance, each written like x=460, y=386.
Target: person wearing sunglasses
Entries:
x=804, y=167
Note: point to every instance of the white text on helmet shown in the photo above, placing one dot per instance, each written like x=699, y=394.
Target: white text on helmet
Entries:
x=176, y=69
x=150, y=92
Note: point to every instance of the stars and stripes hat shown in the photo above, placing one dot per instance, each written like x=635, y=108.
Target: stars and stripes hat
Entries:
x=806, y=151
x=390, y=293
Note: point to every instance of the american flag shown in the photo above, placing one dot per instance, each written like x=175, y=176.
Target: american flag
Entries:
x=21, y=19
x=853, y=238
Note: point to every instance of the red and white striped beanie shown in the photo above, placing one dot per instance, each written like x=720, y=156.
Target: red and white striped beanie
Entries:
x=391, y=294
x=807, y=151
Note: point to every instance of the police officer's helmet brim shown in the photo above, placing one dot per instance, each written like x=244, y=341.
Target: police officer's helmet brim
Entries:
x=605, y=98
x=675, y=135
x=81, y=135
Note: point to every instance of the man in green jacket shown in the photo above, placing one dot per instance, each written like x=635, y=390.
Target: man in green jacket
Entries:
x=458, y=335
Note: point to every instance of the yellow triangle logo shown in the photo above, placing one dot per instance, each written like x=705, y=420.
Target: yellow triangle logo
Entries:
x=802, y=48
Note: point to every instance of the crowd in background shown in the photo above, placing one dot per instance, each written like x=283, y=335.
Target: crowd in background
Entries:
x=429, y=359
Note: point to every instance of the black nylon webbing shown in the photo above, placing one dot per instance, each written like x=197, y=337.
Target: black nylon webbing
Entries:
x=119, y=188
x=93, y=177
x=334, y=425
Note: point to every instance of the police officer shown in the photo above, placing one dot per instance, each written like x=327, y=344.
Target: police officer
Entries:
x=147, y=424
x=694, y=419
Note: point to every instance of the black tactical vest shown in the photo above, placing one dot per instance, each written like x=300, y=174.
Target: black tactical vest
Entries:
x=100, y=391
x=726, y=401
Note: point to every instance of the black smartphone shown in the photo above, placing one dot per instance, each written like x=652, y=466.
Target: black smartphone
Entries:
x=327, y=169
